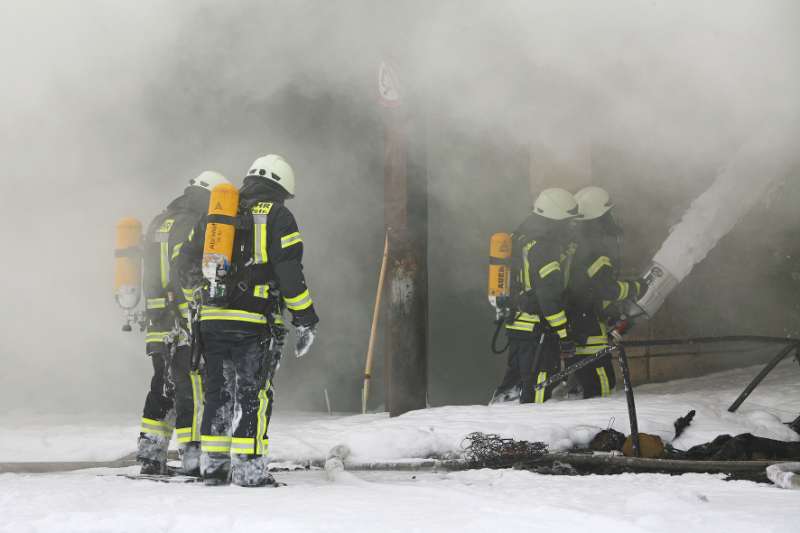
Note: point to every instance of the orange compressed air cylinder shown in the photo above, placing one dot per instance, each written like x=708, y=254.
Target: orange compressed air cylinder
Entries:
x=128, y=262
x=499, y=266
x=220, y=230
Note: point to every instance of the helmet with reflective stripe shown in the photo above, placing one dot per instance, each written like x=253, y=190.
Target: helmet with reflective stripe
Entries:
x=208, y=180
x=593, y=202
x=274, y=168
x=555, y=204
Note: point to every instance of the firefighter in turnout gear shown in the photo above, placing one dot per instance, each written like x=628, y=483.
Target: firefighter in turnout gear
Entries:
x=171, y=399
x=594, y=287
x=536, y=323
x=265, y=276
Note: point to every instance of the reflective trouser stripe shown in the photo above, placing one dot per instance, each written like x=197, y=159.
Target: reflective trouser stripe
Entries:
x=299, y=302
x=156, y=303
x=197, y=398
x=261, y=291
x=260, y=239
x=539, y=396
x=156, y=336
x=215, y=444
x=605, y=389
x=249, y=446
x=216, y=313
x=291, y=239
x=599, y=263
x=156, y=427
x=184, y=435
x=261, y=419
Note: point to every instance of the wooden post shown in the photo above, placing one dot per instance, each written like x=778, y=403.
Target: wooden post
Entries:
x=406, y=220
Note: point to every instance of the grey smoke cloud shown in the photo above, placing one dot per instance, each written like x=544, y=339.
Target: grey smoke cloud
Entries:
x=110, y=107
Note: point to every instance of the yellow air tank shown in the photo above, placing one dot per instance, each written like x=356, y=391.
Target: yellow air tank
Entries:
x=499, y=266
x=128, y=263
x=220, y=232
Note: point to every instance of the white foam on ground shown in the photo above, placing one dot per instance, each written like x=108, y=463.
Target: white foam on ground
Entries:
x=439, y=432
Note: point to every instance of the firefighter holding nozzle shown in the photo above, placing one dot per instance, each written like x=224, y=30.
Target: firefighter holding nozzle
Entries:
x=244, y=261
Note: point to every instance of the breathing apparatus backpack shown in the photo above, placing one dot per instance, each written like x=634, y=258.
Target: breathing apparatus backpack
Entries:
x=506, y=287
x=223, y=206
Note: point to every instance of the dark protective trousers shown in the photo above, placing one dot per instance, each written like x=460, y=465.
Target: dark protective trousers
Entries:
x=236, y=382
x=522, y=350
x=591, y=336
x=597, y=379
x=170, y=396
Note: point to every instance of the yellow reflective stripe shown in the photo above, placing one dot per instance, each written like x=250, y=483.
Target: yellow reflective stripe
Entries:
x=176, y=250
x=548, y=269
x=291, y=239
x=562, y=333
x=299, y=302
x=557, y=319
x=249, y=446
x=624, y=290
x=164, y=264
x=184, y=309
x=184, y=435
x=215, y=443
x=520, y=326
x=539, y=396
x=217, y=313
x=261, y=418
x=155, y=427
x=260, y=255
x=589, y=349
x=526, y=266
x=599, y=263
x=156, y=336
x=156, y=303
x=261, y=291
x=524, y=322
x=605, y=389
x=197, y=400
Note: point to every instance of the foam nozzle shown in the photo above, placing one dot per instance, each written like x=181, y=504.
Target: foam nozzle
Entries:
x=659, y=284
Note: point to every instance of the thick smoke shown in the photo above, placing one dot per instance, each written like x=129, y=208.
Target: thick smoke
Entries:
x=110, y=107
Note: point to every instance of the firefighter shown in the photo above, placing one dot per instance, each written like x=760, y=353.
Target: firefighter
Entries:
x=594, y=287
x=265, y=275
x=537, y=326
x=170, y=399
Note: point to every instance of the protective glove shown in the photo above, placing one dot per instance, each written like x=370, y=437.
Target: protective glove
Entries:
x=305, y=338
x=566, y=348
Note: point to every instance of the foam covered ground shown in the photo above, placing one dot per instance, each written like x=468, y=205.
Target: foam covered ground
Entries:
x=438, y=432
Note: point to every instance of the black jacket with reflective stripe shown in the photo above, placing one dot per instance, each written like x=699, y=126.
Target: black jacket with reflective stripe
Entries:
x=255, y=262
x=164, y=237
x=594, y=271
x=540, y=282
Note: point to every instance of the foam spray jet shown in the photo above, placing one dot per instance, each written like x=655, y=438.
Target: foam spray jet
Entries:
x=763, y=162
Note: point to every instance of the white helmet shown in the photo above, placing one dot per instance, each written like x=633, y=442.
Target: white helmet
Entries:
x=555, y=204
x=593, y=202
x=275, y=169
x=208, y=180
